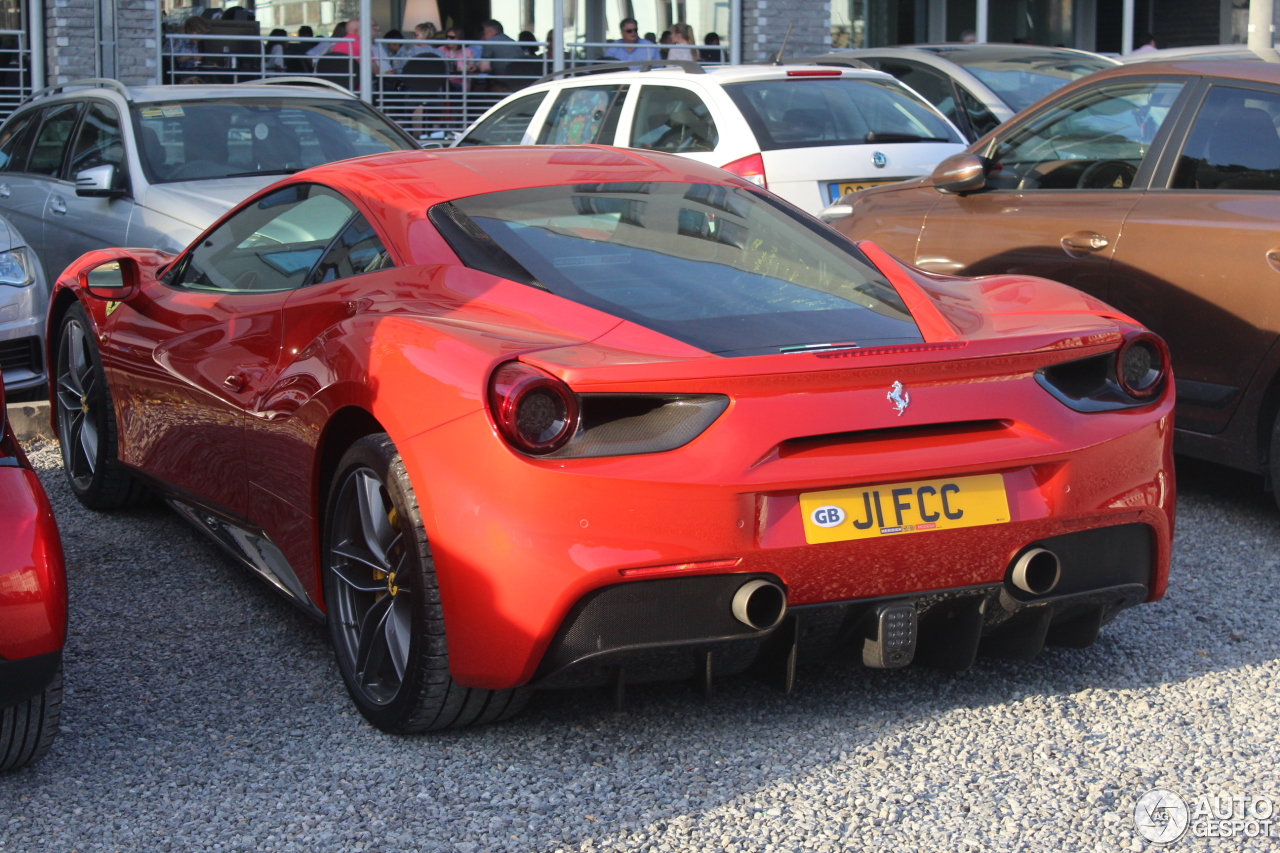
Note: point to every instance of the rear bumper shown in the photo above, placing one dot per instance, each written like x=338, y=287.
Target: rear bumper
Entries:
x=22, y=679
x=681, y=628
x=519, y=543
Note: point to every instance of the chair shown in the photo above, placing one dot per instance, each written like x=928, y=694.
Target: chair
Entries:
x=339, y=69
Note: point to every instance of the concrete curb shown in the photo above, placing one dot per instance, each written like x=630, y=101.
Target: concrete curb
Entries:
x=30, y=420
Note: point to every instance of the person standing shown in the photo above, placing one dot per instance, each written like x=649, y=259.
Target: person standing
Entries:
x=632, y=48
x=682, y=41
x=498, y=50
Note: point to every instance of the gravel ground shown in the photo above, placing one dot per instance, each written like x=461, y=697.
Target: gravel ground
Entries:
x=204, y=713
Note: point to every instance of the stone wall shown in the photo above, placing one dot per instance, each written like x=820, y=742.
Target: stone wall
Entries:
x=765, y=22
x=72, y=51
x=71, y=48
x=136, y=49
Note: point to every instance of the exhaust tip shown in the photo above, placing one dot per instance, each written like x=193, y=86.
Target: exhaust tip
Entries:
x=1037, y=571
x=759, y=604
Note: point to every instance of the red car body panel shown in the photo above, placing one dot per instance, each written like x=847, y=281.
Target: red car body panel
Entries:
x=33, y=585
x=518, y=540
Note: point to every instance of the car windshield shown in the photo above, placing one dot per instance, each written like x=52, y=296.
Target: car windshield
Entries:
x=725, y=269
x=204, y=140
x=806, y=112
x=1022, y=79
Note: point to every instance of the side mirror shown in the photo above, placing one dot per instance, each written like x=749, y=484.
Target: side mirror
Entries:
x=113, y=280
x=98, y=182
x=960, y=173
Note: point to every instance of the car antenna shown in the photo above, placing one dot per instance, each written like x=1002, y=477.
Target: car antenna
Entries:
x=777, y=60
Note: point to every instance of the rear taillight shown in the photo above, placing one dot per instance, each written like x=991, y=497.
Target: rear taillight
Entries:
x=749, y=168
x=1142, y=365
x=814, y=72
x=535, y=412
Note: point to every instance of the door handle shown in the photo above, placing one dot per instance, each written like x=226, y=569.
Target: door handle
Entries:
x=4, y=190
x=1083, y=242
x=236, y=382
x=58, y=205
x=1273, y=259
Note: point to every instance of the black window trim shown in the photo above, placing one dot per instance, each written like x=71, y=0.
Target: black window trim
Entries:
x=179, y=267
x=1159, y=144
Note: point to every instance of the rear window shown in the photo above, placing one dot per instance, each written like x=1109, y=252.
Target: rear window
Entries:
x=202, y=140
x=724, y=269
x=809, y=112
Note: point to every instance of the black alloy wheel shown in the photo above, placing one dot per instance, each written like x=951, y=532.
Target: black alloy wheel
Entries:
x=384, y=607
x=87, y=421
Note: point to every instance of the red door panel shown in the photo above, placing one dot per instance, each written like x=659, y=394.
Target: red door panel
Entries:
x=184, y=365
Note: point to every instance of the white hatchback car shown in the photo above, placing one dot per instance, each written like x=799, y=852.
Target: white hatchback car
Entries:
x=809, y=134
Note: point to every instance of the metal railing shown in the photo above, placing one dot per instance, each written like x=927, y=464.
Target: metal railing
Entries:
x=15, y=70
x=432, y=89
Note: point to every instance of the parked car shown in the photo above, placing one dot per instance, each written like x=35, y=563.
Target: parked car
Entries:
x=1154, y=186
x=1201, y=51
x=562, y=416
x=977, y=86
x=807, y=134
x=24, y=302
x=94, y=164
x=33, y=609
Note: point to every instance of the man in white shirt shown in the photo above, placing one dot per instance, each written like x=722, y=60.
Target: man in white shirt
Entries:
x=632, y=48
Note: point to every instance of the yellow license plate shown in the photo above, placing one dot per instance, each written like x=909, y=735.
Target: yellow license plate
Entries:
x=840, y=190
x=896, y=508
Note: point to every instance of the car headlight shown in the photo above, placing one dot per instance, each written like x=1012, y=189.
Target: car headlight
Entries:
x=15, y=268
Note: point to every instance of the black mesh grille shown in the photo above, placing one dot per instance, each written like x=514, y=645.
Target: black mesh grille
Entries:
x=20, y=354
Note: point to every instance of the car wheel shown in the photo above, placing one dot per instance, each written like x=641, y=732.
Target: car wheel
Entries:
x=384, y=606
x=87, y=421
x=28, y=728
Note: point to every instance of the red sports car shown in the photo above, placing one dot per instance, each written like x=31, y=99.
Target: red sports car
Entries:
x=33, y=609
x=552, y=417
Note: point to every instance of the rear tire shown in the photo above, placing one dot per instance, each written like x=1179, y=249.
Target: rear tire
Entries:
x=27, y=729
x=385, y=616
x=87, y=420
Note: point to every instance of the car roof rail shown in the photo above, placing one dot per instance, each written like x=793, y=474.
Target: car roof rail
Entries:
x=829, y=59
x=685, y=65
x=87, y=83
x=298, y=80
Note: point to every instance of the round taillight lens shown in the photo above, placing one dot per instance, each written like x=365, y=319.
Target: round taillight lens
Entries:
x=535, y=412
x=1142, y=365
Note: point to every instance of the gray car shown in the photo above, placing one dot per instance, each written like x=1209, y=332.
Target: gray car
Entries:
x=93, y=164
x=977, y=86
x=24, y=297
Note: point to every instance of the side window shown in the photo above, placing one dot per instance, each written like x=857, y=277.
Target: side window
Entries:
x=15, y=141
x=1094, y=141
x=51, y=142
x=670, y=118
x=1233, y=144
x=508, y=124
x=272, y=244
x=99, y=142
x=357, y=250
x=584, y=114
x=929, y=82
x=981, y=120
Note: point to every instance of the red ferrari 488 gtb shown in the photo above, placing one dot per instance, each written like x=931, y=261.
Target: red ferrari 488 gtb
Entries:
x=33, y=609
x=552, y=417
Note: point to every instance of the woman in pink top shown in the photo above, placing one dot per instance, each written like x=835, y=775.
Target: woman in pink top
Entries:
x=460, y=56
